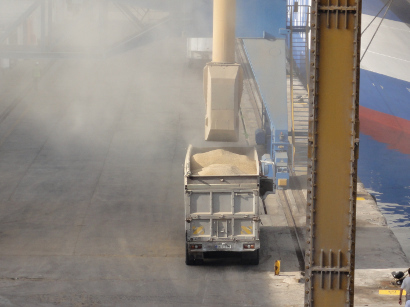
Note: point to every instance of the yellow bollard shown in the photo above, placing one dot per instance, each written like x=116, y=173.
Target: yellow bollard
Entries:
x=277, y=267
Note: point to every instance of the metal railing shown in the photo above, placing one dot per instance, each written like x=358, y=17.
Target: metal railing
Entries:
x=298, y=24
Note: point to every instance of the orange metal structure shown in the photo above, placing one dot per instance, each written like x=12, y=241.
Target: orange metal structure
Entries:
x=333, y=152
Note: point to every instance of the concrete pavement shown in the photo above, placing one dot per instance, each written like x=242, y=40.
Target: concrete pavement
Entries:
x=91, y=190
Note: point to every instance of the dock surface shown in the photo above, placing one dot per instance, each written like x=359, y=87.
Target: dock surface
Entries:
x=91, y=189
x=91, y=182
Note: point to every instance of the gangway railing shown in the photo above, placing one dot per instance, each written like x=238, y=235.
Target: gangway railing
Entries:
x=298, y=24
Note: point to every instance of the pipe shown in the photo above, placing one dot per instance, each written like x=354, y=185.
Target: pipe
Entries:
x=224, y=16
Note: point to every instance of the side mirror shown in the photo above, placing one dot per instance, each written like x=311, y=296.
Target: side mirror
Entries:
x=265, y=169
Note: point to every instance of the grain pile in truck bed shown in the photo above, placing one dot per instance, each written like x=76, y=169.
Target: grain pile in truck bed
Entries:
x=221, y=162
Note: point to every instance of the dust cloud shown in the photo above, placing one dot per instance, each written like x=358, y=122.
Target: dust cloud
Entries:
x=92, y=145
x=115, y=72
x=96, y=113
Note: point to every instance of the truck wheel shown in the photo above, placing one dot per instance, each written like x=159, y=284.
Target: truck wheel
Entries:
x=251, y=257
x=255, y=258
x=189, y=259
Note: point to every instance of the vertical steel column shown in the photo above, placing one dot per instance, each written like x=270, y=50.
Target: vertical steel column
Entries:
x=333, y=152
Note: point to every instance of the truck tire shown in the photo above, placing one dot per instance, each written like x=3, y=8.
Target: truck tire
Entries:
x=255, y=258
x=251, y=257
x=189, y=259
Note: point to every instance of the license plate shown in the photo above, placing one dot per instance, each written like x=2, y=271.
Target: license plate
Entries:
x=224, y=246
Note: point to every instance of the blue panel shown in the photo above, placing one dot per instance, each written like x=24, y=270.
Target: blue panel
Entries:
x=253, y=18
x=281, y=140
x=256, y=16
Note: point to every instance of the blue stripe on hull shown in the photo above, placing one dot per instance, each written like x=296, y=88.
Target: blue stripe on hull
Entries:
x=385, y=94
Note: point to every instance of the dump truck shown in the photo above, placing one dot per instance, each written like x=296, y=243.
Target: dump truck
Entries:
x=222, y=194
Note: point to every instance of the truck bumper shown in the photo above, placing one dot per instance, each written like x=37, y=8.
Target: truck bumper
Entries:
x=218, y=246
